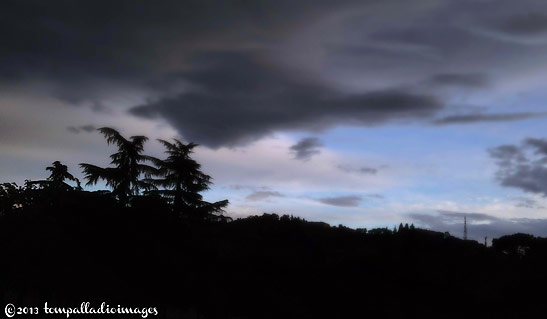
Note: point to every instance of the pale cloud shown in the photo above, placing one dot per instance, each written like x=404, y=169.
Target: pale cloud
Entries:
x=267, y=163
x=34, y=134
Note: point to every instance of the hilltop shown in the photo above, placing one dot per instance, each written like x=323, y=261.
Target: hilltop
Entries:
x=86, y=247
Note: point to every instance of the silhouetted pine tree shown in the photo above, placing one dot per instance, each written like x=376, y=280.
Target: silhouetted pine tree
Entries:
x=124, y=177
x=56, y=180
x=59, y=173
x=182, y=181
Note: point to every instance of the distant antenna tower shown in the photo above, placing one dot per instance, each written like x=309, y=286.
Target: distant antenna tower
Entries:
x=464, y=227
x=486, y=241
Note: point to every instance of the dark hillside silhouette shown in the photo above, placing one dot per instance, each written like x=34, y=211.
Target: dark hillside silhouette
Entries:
x=156, y=242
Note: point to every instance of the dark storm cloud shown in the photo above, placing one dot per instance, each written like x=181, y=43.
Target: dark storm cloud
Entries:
x=523, y=166
x=203, y=65
x=76, y=47
x=83, y=128
x=239, y=98
x=225, y=73
x=480, y=117
x=473, y=80
x=526, y=24
x=306, y=148
x=261, y=195
x=87, y=48
x=342, y=201
x=479, y=225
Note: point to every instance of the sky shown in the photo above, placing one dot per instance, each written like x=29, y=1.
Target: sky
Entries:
x=362, y=113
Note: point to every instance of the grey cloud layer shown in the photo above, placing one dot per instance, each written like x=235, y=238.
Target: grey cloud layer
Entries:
x=528, y=203
x=239, y=98
x=531, y=23
x=342, y=201
x=261, y=195
x=479, y=117
x=523, y=166
x=473, y=80
x=226, y=73
x=82, y=128
x=306, y=148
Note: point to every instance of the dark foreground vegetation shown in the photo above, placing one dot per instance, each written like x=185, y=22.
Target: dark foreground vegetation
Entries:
x=165, y=247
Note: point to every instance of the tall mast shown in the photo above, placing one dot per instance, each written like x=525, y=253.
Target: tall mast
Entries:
x=464, y=227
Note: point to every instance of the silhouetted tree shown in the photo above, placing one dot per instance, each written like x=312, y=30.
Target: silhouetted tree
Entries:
x=182, y=181
x=124, y=177
x=59, y=173
x=56, y=180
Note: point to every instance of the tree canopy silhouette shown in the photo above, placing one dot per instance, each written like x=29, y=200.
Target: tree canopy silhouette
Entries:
x=178, y=178
x=56, y=180
x=182, y=181
x=59, y=173
x=124, y=177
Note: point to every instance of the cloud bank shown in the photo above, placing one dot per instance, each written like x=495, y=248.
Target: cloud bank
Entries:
x=342, y=201
x=229, y=73
x=523, y=166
